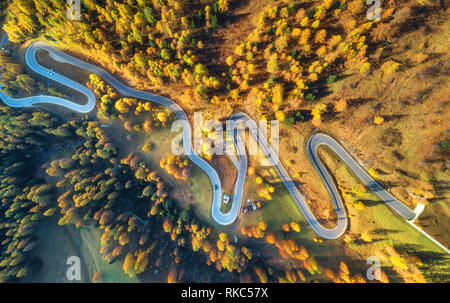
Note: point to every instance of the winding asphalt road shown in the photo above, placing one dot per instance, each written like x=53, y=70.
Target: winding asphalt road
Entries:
x=236, y=133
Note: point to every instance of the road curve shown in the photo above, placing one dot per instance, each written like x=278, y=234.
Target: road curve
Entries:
x=321, y=139
x=30, y=58
x=300, y=200
x=221, y=218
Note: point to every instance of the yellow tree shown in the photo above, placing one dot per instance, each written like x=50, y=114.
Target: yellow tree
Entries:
x=272, y=64
x=340, y=105
x=261, y=275
x=172, y=277
x=295, y=226
x=378, y=120
x=128, y=265
x=366, y=237
x=277, y=94
x=223, y=6
x=262, y=225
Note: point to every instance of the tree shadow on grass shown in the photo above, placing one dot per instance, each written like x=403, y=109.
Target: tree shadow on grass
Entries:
x=369, y=203
x=388, y=184
x=436, y=200
x=361, y=242
x=384, y=231
x=424, y=255
x=358, y=102
x=390, y=118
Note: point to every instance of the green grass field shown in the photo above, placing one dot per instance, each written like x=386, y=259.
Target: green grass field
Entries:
x=384, y=225
x=58, y=243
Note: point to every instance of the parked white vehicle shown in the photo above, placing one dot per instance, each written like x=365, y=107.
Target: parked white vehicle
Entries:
x=226, y=199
